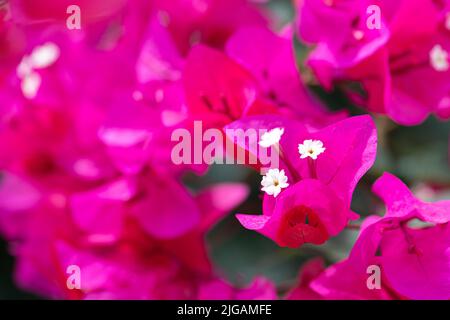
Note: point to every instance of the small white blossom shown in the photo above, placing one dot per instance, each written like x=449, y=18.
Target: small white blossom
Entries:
x=274, y=181
x=24, y=68
x=311, y=148
x=30, y=85
x=44, y=55
x=41, y=57
x=358, y=34
x=439, y=59
x=271, y=137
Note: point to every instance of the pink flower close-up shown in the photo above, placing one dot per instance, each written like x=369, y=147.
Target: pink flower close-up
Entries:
x=316, y=204
x=225, y=150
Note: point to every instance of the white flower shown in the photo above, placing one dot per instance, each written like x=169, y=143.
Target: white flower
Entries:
x=24, y=68
x=311, y=148
x=273, y=182
x=439, y=59
x=30, y=85
x=41, y=57
x=271, y=137
x=44, y=56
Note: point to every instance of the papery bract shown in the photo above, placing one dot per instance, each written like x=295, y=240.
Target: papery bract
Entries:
x=316, y=205
x=270, y=58
x=414, y=262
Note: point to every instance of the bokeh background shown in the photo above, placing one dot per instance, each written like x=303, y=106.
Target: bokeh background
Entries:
x=418, y=155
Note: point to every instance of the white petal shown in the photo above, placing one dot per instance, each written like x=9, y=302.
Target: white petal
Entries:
x=439, y=59
x=44, y=55
x=277, y=191
x=30, y=85
x=24, y=68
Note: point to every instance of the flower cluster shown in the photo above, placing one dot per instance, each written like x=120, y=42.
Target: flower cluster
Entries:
x=87, y=178
x=86, y=117
x=413, y=258
x=395, y=62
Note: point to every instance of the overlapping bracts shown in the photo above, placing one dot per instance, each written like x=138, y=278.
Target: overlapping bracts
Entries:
x=86, y=117
x=401, y=65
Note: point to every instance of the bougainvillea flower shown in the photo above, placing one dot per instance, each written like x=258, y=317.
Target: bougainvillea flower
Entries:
x=319, y=20
x=128, y=132
x=348, y=279
x=210, y=22
x=100, y=211
x=178, y=268
x=396, y=58
x=158, y=214
x=138, y=125
x=47, y=133
x=342, y=281
x=306, y=212
x=219, y=89
x=417, y=262
x=414, y=260
x=146, y=198
x=424, y=251
x=90, y=182
x=47, y=139
x=16, y=198
x=270, y=58
x=316, y=203
x=159, y=58
x=400, y=202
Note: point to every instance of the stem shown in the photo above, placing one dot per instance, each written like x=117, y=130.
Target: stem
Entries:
x=312, y=168
x=409, y=239
x=353, y=226
x=290, y=167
